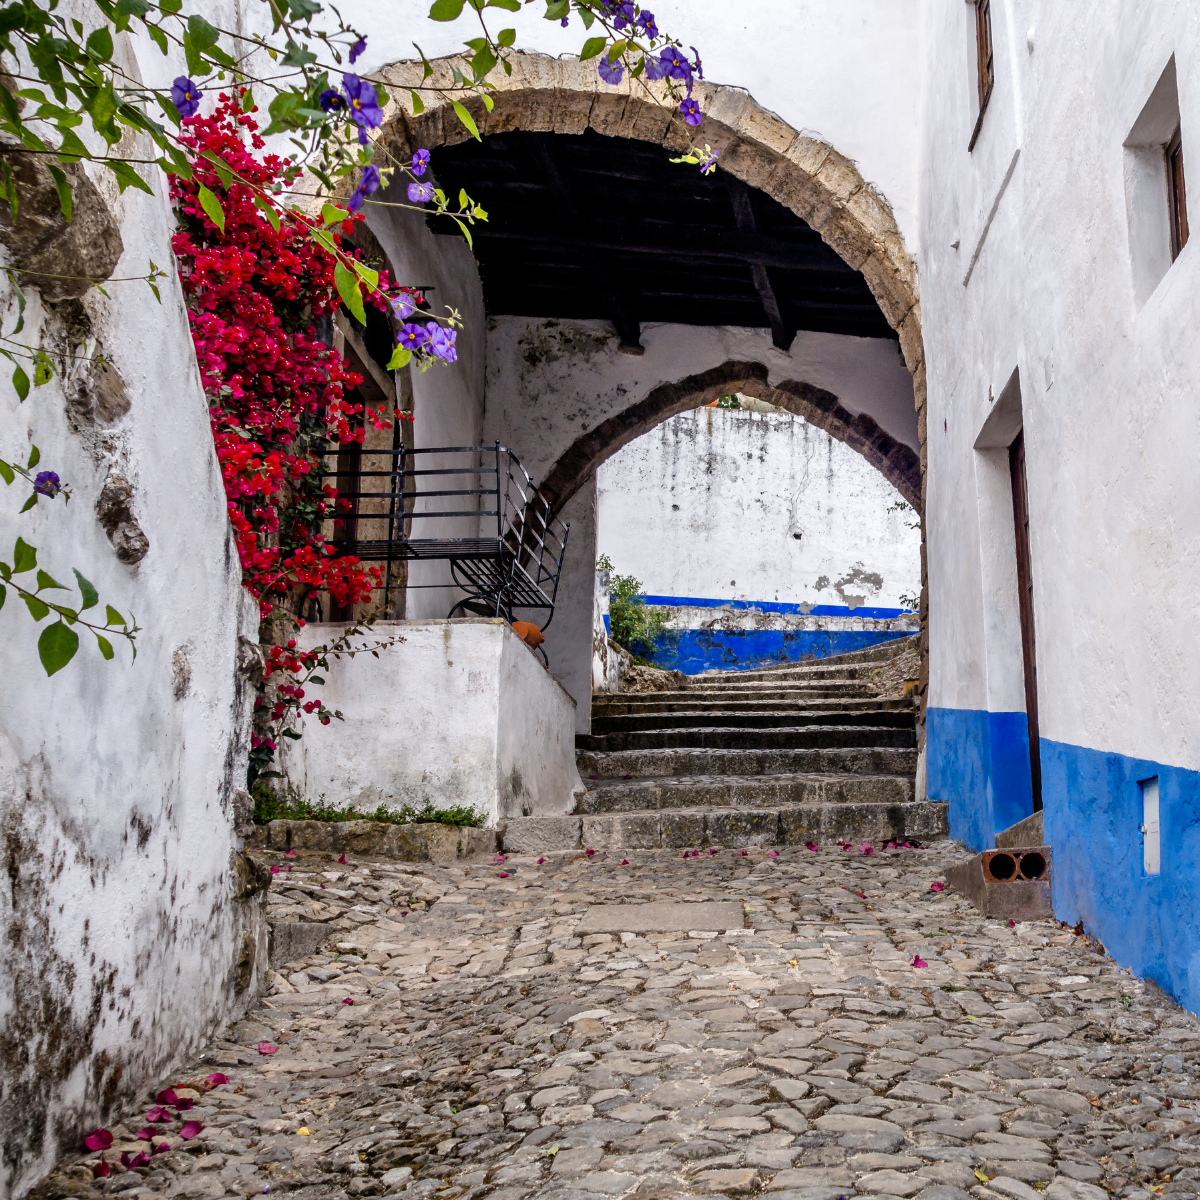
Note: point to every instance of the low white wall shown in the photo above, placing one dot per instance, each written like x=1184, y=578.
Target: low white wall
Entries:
x=758, y=506
x=461, y=713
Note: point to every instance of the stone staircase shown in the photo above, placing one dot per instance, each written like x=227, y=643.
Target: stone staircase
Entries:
x=781, y=755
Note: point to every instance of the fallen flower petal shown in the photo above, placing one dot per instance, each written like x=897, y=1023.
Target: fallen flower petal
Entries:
x=867, y=849
x=267, y=1048
x=163, y=1148
x=714, y=852
x=348, y=1000
x=593, y=776
x=215, y=1080
x=918, y=961
x=145, y=1134
x=101, y=1170
x=291, y=854
x=129, y=1160
x=100, y=1140
x=1012, y=924
x=274, y=870
x=190, y=1129
x=628, y=776
x=810, y=846
x=937, y=887
x=502, y=874
x=772, y=853
x=184, y=1103
x=744, y=853
x=158, y=1113
x=342, y=858
x=624, y=862
x=695, y=853
x=540, y=861
x=167, y=1096
x=498, y=858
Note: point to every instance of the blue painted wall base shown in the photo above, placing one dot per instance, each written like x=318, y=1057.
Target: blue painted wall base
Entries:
x=695, y=650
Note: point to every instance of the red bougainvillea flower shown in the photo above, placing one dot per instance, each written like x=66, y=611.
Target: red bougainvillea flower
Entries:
x=102, y=1169
x=184, y=1103
x=540, y=861
x=695, y=853
x=158, y=1113
x=190, y=1129
x=348, y=1000
x=499, y=858
x=937, y=887
x=130, y=1161
x=100, y=1140
x=1012, y=924
x=918, y=961
x=772, y=853
x=215, y=1080
x=501, y=874
x=744, y=853
x=867, y=849
x=163, y=1148
x=589, y=852
x=714, y=852
x=811, y=846
x=167, y=1096
x=291, y=854
x=906, y=845
x=145, y=1134
x=267, y=1048
x=624, y=862
x=274, y=870
x=342, y=859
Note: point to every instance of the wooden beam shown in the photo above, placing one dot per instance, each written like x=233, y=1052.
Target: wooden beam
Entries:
x=783, y=332
x=628, y=329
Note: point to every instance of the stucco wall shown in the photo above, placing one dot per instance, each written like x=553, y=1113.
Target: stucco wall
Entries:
x=127, y=938
x=460, y=713
x=1030, y=263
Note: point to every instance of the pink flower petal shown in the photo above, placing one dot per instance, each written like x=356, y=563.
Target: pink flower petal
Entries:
x=589, y=853
x=906, y=845
x=184, y=1103
x=593, y=776
x=540, y=861
x=167, y=1096
x=624, y=862
x=918, y=961
x=158, y=1113
x=163, y=1148
x=714, y=852
x=502, y=874
x=274, y=870
x=937, y=887
x=404, y=913
x=695, y=853
x=322, y=887
x=342, y=858
x=216, y=1079
x=291, y=854
x=190, y=1129
x=772, y=853
x=628, y=776
x=145, y=1134
x=100, y=1140
x=348, y=1000
x=811, y=846
x=130, y=1160
x=1012, y=924
x=498, y=858
x=101, y=1170
x=267, y=1048
x=867, y=849
x=744, y=853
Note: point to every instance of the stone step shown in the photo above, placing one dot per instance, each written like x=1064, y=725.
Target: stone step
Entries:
x=733, y=701
x=654, y=764
x=885, y=731
x=774, y=718
x=743, y=791
x=919, y=821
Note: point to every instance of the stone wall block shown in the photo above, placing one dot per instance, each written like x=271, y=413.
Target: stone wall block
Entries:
x=889, y=290
x=872, y=212
x=892, y=248
x=681, y=829
x=846, y=235
x=749, y=827
x=645, y=121
x=537, y=835
x=798, y=826
x=622, y=831
x=809, y=154
x=730, y=107
x=911, y=342
x=409, y=842
x=840, y=176
x=862, y=823
x=765, y=129
x=478, y=842
x=444, y=843
x=926, y=820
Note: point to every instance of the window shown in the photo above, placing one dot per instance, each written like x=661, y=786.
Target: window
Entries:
x=984, y=61
x=1177, y=195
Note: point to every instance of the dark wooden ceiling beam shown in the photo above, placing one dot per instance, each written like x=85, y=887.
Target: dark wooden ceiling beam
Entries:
x=627, y=327
x=783, y=331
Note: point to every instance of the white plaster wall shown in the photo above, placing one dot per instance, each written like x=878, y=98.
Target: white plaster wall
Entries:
x=461, y=713
x=1108, y=386
x=550, y=381
x=117, y=779
x=709, y=504
x=847, y=72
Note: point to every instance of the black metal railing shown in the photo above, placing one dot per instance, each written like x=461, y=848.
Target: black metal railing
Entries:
x=504, y=544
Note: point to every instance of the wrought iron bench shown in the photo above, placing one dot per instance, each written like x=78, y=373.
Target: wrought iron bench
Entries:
x=509, y=548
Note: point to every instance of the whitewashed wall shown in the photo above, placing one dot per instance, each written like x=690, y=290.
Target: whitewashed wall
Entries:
x=743, y=505
x=118, y=781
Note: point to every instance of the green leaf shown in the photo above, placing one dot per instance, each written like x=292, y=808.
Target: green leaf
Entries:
x=510, y=5
x=346, y=282
x=3, y=594
x=57, y=646
x=369, y=277
x=39, y=610
x=63, y=188
x=127, y=176
x=268, y=210
x=105, y=646
x=88, y=592
x=35, y=457
x=224, y=174
x=467, y=120
x=400, y=358
x=100, y=44
x=48, y=581
x=592, y=47
x=24, y=557
x=212, y=206
x=418, y=105
x=21, y=382
x=112, y=617
x=133, y=8
x=483, y=61
x=557, y=9
x=43, y=368
x=445, y=10
x=33, y=499
x=332, y=215
x=291, y=733
x=297, y=55
x=16, y=288
x=247, y=100
x=6, y=472
x=506, y=37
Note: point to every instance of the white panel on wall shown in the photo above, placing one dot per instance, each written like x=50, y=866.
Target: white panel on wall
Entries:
x=1150, y=838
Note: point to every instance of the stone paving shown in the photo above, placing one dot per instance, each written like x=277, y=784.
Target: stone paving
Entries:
x=494, y=1050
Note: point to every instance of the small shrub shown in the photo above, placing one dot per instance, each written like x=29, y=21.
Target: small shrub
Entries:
x=268, y=806
x=639, y=627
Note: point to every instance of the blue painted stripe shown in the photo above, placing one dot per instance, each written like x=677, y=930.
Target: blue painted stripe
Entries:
x=695, y=650
x=771, y=606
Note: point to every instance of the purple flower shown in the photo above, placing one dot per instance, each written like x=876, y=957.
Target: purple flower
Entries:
x=47, y=483
x=691, y=111
x=420, y=193
x=655, y=67
x=622, y=13
x=441, y=342
x=364, y=102
x=420, y=162
x=565, y=22
x=675, y=65
x=412, y=336
x=647, y=22
x=358, y=48
x=699, y=64
x=366, y=185
x=709, y=165
x=185, y=95
x=403, y=306
x=611, y=72
x=331, y=100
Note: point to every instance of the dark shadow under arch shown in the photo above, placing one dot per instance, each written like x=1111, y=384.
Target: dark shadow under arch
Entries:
x=898, y=463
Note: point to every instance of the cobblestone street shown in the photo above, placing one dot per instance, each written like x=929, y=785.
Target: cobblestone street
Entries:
x=858, y=1032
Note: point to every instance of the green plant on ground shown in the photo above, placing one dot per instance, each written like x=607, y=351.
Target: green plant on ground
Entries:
x=640, y=627
x=270, y=806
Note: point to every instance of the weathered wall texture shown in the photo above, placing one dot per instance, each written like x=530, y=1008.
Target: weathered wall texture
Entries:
x=460, y=713
x=131, y=926
x=1032, y=261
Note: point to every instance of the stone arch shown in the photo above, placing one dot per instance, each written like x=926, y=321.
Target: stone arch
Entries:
x=806, y=175
x=897, y=462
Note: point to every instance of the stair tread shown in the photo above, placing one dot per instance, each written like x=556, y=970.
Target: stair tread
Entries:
x=595, y=785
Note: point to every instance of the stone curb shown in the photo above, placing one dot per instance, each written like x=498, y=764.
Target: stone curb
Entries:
x=425, y=842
